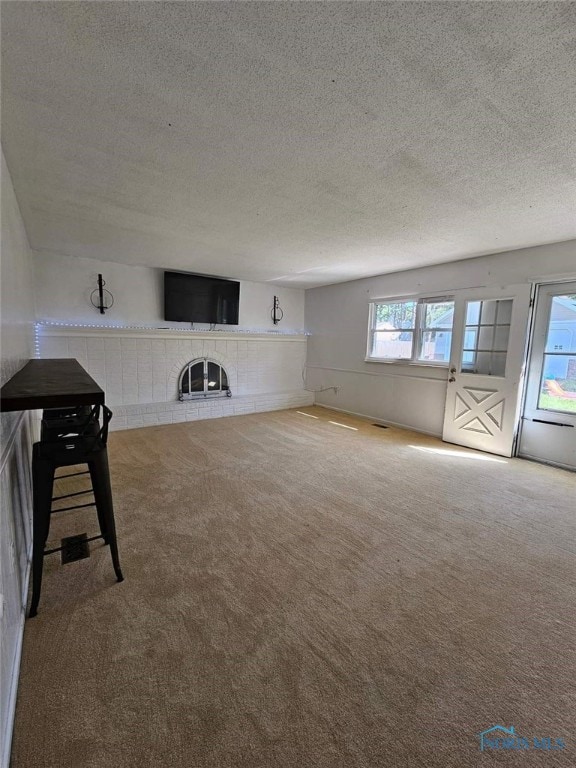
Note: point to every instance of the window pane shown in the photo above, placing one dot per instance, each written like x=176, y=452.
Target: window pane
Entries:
x=435, y=345
x=401, y=314
x=498, y=364
x=504, y=312
x=470, y=338
x=560, y=339
x=485, y=341
x=224, y=379
x=501, y=337
x=438, y=314
x=473, y=312
x=482, y=363
x=562, y=325
x=558, y=392
x=488, y=316
x=395, y=345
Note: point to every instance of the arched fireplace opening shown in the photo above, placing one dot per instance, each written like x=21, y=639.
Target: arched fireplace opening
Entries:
x=203, y=378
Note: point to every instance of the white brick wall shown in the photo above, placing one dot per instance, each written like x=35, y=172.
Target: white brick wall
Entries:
x=139, y=370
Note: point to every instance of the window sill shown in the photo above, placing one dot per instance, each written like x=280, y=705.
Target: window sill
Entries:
x=412, y=363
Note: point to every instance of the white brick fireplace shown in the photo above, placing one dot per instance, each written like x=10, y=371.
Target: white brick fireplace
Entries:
x=139, y=369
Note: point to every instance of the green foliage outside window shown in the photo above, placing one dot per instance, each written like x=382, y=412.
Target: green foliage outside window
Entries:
x=399, y=315
x=402, y=314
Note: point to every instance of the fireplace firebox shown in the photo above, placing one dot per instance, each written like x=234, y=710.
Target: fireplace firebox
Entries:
x=203, y=378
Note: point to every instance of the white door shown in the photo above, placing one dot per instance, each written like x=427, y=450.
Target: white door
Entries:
x=486, y=362
x=549, y=420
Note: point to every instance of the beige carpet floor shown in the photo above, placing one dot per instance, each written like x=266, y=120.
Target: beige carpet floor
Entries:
x=302, y=595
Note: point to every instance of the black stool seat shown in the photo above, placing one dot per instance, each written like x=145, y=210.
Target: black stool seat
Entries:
x=62, y=413
x=60, y=421
x=69, y=445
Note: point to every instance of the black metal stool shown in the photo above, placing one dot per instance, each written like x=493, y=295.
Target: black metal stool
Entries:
x=64, y=446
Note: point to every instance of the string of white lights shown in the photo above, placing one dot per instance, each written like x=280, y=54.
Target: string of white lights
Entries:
x=260, y=331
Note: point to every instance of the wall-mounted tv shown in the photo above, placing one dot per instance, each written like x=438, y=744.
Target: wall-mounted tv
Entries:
x=192, y=298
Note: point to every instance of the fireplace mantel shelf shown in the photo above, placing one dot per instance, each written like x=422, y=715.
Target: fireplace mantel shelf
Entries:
x=71, y=329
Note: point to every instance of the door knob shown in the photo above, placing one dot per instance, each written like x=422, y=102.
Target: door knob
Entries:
x=452, y=370
x=452, y=378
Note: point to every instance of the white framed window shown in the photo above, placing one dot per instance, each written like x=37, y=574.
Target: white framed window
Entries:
x=411, y=330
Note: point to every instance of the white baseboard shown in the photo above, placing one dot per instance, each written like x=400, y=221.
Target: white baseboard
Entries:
x=367, y=417
x=539, y=460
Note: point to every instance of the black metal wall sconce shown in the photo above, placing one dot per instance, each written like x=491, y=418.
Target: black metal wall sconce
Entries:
x=101, y=298
x=277, y=313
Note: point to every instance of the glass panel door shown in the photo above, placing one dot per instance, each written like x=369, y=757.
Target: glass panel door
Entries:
x=482, y=398
x=197, y=377
x=558, y=385
x=213, y=381
x=549, y=419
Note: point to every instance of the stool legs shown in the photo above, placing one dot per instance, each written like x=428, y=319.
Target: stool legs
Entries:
x=100, y=475
x=43, y=485
x=43, y=471
x=98, y=478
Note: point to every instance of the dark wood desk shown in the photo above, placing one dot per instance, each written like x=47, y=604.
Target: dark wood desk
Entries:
x=58, y=383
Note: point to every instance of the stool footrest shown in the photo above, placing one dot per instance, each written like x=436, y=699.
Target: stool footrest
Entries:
x=78, y=506
x=73, y=474
x=68, y=495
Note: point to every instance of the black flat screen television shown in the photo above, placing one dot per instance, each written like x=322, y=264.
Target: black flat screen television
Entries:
x=199, y=299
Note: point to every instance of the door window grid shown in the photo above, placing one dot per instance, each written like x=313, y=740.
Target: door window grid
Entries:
x=486, y=333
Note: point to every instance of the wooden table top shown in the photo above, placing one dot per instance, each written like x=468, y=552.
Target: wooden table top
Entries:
x=56, y=383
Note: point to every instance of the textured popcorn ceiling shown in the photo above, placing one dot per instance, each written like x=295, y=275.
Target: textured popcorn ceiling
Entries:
x=304, y=143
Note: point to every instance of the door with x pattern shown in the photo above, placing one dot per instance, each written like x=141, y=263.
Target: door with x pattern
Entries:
x=486, y=368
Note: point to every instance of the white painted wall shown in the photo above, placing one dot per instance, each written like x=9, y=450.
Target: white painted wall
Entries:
x=408, y=395
x=64, y=285
x=17, y=317
x=137, y=371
